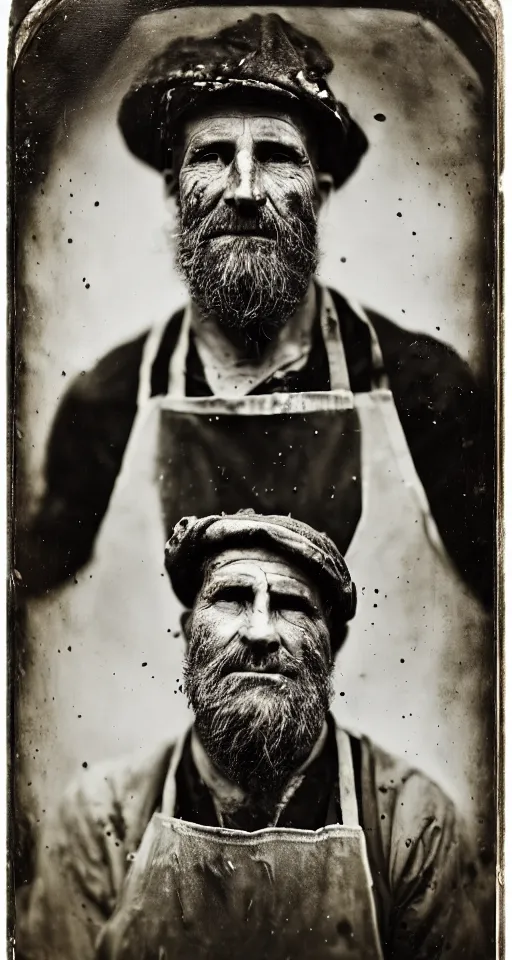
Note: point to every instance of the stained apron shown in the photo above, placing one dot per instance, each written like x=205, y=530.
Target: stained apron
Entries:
x=204, y=892
x=410, y=674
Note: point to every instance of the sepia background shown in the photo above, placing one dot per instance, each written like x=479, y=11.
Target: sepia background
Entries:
x=409, y=235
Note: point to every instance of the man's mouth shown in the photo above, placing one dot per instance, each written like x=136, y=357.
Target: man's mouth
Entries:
x=267, y=672
x=248, y=232
x=260, y=676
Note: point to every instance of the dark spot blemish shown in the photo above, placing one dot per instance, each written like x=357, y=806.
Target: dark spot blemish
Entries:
x=344, y=929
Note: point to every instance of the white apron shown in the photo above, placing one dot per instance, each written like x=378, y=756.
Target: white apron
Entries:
x=410, y=673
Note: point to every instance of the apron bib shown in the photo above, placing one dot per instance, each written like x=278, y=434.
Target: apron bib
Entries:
x=295, y=453
x=197, y=892
x=410, y=675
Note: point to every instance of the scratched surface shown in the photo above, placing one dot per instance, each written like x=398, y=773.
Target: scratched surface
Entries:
x=406, y=236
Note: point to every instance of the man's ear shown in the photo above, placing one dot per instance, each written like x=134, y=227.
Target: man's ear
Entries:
x=171, y=183
x=325, y=184
x=185, y=619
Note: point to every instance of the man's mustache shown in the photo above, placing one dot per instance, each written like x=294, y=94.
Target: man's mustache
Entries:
x=242, y=656
x=269, y=663
x=222, y=222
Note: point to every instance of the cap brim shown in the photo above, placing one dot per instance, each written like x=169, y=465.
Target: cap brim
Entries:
x=149, y=112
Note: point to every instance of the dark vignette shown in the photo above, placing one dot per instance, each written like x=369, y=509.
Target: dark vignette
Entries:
x=54, y=40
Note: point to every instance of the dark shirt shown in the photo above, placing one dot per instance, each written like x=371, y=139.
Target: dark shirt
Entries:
x=447, y=420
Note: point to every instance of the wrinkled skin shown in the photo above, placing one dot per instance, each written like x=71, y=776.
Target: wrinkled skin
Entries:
x=249, y=196
x=258, y=668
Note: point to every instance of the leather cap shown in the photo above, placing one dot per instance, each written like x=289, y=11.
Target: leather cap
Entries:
x=194, y=541
x=260, y=56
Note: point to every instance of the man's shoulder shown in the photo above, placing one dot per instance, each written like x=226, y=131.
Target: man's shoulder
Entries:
x=411, y=349
x=391, y=784
x=408, y=820
x=115, y=376
x=119, y=791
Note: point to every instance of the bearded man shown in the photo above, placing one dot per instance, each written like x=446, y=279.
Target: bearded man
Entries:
x=250, y=140
x=265, y=831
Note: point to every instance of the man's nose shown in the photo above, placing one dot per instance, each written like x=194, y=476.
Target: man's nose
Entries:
x=261, y=632
x=243, y=189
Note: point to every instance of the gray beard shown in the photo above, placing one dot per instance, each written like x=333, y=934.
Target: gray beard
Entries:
x=249, y=284
x=257, y=734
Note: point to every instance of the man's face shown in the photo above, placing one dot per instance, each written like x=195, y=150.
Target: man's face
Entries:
x=258, y=666
x=248, y=199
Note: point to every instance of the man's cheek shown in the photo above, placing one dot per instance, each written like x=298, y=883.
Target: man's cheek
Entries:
x=196, y=189
x=291, y=194
x=297, y=632
x=212, y=635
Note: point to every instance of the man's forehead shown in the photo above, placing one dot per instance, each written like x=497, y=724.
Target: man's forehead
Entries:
x=228, y=121
x=256, y=564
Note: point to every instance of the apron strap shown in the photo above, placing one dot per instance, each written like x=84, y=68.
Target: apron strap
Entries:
x=348, y=797
x=149, y=355
x=169, y=791
x=329, y=322
x=176, y=386
x=409, y=474
x=379, y=377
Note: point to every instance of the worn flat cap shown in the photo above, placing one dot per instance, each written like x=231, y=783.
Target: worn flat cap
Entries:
x=194, y=541
x=260, y=56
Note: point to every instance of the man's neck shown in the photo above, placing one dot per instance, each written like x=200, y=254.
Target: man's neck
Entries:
x=233, y=366
x=229, y=797
x=246, y=343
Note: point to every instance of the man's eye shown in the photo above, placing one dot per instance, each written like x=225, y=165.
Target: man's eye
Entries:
x=272, y=154
x=214, y=153
x=294, y=604
x=208, y=157
x=280, y=157
x=238, y=595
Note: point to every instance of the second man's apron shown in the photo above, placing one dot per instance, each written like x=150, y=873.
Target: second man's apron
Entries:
x=206, y=893
x=410, y=674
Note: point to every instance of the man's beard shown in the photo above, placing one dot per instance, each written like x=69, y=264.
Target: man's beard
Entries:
x=249, y=283
x=257, y=732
